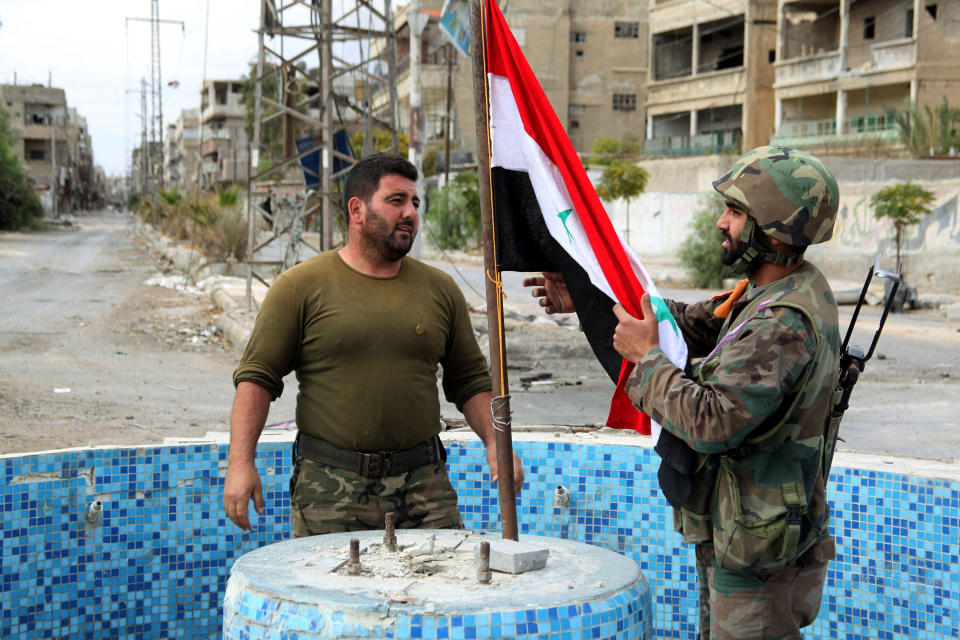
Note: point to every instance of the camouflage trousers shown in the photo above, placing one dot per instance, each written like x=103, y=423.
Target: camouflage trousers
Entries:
x=736, y=606
x=325, y=499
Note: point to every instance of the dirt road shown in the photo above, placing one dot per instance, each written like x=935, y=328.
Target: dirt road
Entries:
x=90, y=354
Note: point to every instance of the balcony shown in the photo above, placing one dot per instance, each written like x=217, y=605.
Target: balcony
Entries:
x=696, y=88
x=819, y=132
x=818, y=68
x=701, y=144
x=894, y=54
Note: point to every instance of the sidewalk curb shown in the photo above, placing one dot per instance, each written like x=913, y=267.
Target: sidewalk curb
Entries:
x=238, y=334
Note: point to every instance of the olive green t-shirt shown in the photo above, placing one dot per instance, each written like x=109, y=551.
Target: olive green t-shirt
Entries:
x=365, y=350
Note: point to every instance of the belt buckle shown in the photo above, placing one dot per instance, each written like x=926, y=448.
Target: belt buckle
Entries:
x=375, y=465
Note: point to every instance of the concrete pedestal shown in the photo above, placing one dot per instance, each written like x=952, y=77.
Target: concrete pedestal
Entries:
x=428, y=588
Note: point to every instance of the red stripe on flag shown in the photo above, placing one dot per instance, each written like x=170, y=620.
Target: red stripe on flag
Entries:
x=506, y=59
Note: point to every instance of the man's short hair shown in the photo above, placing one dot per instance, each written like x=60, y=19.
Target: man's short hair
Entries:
x=364, y=177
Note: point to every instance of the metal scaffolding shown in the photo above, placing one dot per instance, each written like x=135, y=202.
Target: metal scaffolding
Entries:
x=316, y=78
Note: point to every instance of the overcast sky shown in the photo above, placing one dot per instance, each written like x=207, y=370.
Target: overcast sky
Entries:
x=98, y=58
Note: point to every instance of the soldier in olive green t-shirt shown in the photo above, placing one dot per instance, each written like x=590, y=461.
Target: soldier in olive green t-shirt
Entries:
x=365, y=329
x=365, y=350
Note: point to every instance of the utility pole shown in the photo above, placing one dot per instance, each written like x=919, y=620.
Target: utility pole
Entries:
x=448, y=52
x=416, y=21
x=144, y=151
x=53, y=165
x=156, y=83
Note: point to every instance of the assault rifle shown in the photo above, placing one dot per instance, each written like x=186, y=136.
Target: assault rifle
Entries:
x=853, y=359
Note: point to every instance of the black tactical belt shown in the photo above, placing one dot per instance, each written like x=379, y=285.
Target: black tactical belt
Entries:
x=374, y=464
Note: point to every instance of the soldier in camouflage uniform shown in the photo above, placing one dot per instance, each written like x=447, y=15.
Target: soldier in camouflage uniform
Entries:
x=743, y=440
x=365, y=328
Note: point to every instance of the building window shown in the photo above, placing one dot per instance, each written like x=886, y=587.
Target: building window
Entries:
x=578, y=53
x=221, y=95
x=577, y=109
x=771, y=56
x=626, y=29
x=908, y=27
x=932, y=10
x=37, y=154
x=578, y=36
x=624, y=102
x=869, y=28
x=574, y=124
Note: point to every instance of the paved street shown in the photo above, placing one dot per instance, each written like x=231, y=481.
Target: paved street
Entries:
x=906, y=402
x=77, y=316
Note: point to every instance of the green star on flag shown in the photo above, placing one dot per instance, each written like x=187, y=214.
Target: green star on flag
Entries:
x=563, y=215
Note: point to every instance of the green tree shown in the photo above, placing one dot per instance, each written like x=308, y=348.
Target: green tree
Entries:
x=454, y=214
x=700, y=252
x=928, y=131
x=623, y=179
x=381, y=141
x=20, y=207
x=904, y=204
x=606, y=145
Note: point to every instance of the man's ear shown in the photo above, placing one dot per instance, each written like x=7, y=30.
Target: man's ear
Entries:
x=355, y=210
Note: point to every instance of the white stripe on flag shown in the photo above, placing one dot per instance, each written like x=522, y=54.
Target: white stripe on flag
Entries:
x=514, y=149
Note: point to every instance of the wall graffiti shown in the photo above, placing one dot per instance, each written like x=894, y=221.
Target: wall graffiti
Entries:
x=859, y=231
x=661, y=221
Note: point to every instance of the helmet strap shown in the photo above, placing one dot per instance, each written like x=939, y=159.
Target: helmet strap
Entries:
x=755, y=254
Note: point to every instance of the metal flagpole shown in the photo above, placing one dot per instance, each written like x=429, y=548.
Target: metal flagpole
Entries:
x=500, y=407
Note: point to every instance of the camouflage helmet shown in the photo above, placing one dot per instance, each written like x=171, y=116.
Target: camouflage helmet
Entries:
x=791, y=194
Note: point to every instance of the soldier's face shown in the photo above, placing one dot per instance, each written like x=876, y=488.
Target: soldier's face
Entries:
x=731, y=225
x=390, y=219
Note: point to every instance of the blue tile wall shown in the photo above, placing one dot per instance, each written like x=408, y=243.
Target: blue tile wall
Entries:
x=156, y=563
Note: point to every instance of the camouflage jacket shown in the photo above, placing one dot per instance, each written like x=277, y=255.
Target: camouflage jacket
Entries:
x=754, y=411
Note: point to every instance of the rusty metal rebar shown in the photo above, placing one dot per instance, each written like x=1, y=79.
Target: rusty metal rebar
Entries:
x=354, y=553
x=483, y=568
x=389, y=533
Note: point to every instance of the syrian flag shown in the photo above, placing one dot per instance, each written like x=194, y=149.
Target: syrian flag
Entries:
x=548, y=217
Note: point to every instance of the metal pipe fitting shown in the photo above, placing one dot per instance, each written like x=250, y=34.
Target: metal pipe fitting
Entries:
x=94, y=513
x=561, y=497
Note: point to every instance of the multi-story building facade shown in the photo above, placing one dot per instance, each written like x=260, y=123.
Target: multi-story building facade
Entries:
x=53, y=144
x=224, y=148
x=83, y=191
x=844, y=66
x=588, y=56
x=183, y=151
x=37, y=121
x=711, y=75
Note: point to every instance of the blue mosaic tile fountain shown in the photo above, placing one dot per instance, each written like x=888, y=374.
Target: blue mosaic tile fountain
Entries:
x=155, y=562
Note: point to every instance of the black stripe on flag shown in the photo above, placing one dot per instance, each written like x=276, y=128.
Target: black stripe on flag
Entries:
x=524, y=244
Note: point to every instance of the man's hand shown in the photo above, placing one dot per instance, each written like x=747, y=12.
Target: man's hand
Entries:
x=633, y=338
x=251, y=405
x=552, y=291
x=241, y=484
x=494, y=468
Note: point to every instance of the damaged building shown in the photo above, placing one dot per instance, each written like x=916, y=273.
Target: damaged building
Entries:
x=711, y=76
x=844, y=68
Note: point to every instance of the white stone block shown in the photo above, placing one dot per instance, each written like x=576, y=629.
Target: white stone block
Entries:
x=509, y=556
